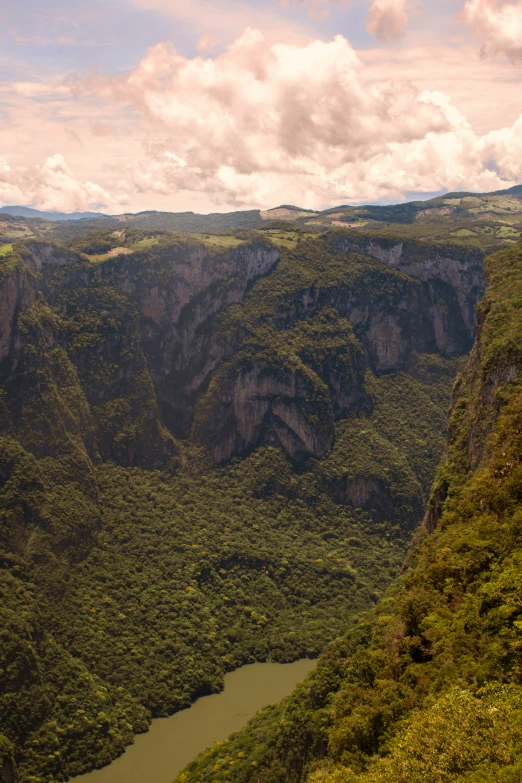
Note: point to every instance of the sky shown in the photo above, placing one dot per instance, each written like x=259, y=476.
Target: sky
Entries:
x=217, y=105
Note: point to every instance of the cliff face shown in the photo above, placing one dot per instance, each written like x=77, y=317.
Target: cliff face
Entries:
x=266, y=405
x=178, y=322
x=412, y=300
x=137, y=341
x=482, y=391
x=451, y=266
x=129, y=339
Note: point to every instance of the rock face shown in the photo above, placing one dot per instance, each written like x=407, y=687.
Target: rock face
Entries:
x=178, y=324
x=453, y=283
x=271, y=407
x=414, y=299
x=366, y=493
x=115, y=358
x=129, y=340
x=285, y=388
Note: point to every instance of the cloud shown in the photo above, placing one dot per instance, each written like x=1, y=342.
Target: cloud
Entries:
x=265, y=122
x=260, y=124
x=51, y=186
x=499, y=24
x=503, y=148
x=486, y=91
x=261, y=110
x=387, y=19
x=39, y=89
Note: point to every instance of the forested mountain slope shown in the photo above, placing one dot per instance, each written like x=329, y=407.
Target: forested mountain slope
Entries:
x=483, y=220
x=214, y=449
x=428, y=687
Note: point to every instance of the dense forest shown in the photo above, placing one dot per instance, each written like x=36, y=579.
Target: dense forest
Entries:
x=215, y=449
x=427, y=686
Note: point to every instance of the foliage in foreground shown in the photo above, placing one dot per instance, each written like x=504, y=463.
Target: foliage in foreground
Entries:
x=428, y=687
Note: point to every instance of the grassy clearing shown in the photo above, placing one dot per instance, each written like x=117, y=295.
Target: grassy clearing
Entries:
x=508, y=232
x=287, y=239
x=218, y=240
x=144, y=244
x=463, y=232
x=6, y=249
x=116, y=251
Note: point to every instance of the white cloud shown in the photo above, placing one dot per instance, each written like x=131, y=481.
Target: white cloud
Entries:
x=51, y=186
x=260, y=124
x=275, y=111
x=499, y=24
x=387, y=19
x=486, y=91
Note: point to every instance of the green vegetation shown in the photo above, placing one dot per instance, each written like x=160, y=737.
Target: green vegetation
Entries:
x=220, y=240
x=484, y=220
x=190, y=576
x=427, y=687
x=134, y=571
x=488, y=221
x=398, y=446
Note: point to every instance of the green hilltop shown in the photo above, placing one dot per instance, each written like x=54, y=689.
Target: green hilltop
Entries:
x=488, y=220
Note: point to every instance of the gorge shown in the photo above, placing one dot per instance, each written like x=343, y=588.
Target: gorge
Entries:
x=216, y=450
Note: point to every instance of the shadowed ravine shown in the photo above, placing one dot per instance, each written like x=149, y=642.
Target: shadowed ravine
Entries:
x=214, y=451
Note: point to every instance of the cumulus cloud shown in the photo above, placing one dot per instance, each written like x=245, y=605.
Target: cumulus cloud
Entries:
x=499, y=24
x=266, y=123
x=270, y=112
x=387, y=19
x=51, y=186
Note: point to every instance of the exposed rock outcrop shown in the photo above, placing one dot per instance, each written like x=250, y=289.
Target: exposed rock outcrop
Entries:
x=178, y=323
x=139, y=343
x=275, y=407
x=446, y=270
x=135, y=341
x=285, y=388
x=394, y=313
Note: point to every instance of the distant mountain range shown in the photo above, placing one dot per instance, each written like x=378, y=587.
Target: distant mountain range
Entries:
x=29, y=212
x=460, y=216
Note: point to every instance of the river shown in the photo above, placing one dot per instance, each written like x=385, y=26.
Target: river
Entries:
x=171, y=743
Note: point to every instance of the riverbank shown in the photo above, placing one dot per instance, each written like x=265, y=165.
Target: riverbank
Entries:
x=171, y=743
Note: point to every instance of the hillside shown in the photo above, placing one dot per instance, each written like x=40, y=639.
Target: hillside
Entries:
x=487, y=221
x=214, y=449
x=427, y=687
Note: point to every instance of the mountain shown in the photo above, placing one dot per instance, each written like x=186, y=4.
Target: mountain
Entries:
x=487, y=221
x=427, y=688
x=216, y=448
x=29, y=212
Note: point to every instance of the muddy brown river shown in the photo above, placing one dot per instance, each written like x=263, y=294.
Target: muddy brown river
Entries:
x=171, y=743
